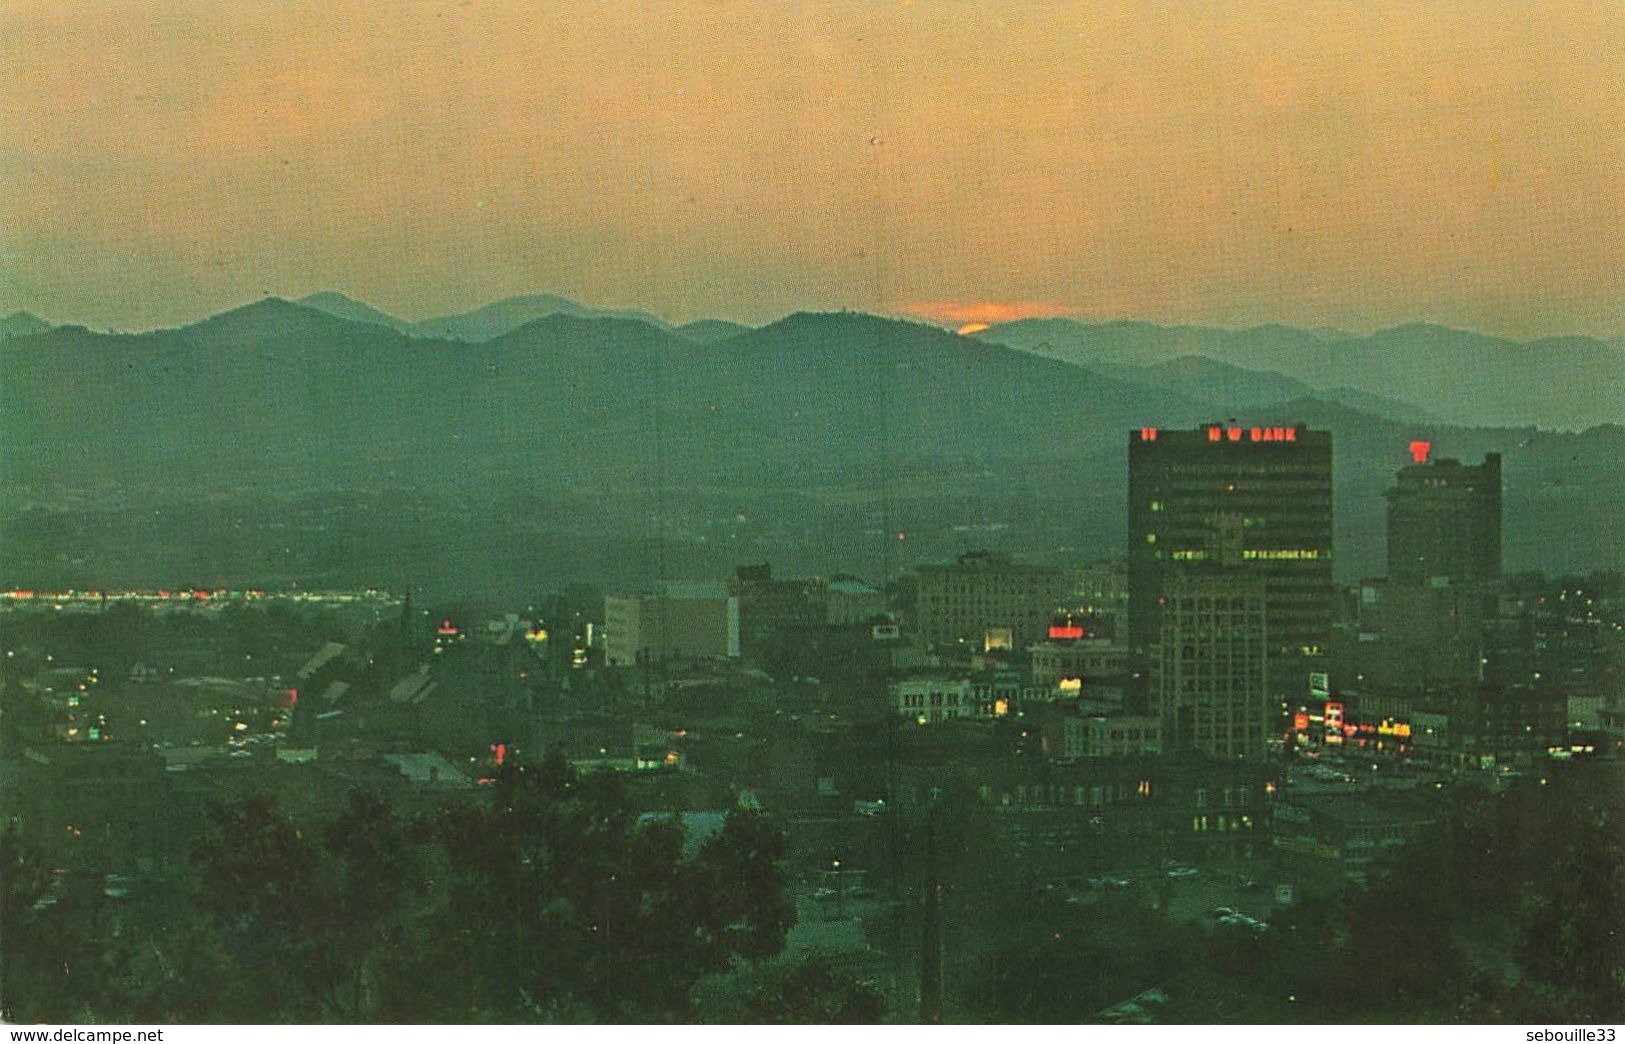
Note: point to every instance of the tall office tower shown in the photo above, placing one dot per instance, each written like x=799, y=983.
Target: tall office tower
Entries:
x=1444, y=571
x=1211, y=676
x=1444, y=520
x=1255, y=501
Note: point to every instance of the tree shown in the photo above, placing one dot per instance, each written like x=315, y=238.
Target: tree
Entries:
x=1573, y=938
x=159, y=962
x=812, y=990
x=563, y=904
x=53, y=959
x=1072, y=963
x=263, y=883
x=36, y=950
x=376, y=876
x=1400, y=948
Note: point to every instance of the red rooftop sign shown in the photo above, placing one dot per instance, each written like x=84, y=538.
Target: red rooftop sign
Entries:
x=1217, y=434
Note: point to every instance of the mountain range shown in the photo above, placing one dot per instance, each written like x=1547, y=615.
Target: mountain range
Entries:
x=1468, y=378
x=21, y=324
x=821, y=441
x=1417, y=373
x=481, y=324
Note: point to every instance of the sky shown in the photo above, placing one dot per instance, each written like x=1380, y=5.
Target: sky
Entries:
x=1231, y=162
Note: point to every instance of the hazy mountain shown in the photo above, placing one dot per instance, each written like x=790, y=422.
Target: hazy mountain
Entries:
x=1220, y=383
x=710, y=331
x=22, y=324
x=1462, y=377
x=489, y=321
x=1380, y=405
x=589, y=443
x=1263, y=348
x=1230, y=388
x=499, y=317
x=343, y=307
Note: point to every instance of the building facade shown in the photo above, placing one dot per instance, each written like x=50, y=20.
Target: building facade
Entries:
x=1091, y=661
x=1444, y=521
x=1255, y=501
x=985, y=592
x=1211, y=679
x=1110, y=736
x=983, y=695
x=686, y=621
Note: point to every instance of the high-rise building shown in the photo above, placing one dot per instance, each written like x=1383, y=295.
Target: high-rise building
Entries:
x=1254, y=501
x=1444, y=520
x=1424, y=625
x=1211, y=677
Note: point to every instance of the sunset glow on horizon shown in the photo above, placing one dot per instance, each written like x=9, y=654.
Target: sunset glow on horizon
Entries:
x=1234, y=164
x=988, y=312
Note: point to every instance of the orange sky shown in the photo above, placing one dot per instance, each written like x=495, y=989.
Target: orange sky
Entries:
x=1358, y=164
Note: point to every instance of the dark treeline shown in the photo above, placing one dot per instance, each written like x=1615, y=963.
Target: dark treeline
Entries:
x=1511, y=911
x=548, y=899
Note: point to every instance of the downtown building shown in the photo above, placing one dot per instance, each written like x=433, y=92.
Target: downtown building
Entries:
x=1230, y=587
x=1210, y=680
x=686, y=620
x=1424, y=625
x=987, y=599
x=1444, y=520
x=1460, y=670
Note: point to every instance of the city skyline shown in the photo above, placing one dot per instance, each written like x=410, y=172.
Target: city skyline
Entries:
x=881, y=512
x=1235, y=166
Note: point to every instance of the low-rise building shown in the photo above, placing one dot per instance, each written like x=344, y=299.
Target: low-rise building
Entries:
x=685, y=621
x=987, y=594
x=849, y=602
x=932, y=699
x=1089, y=661
x=1110, y=736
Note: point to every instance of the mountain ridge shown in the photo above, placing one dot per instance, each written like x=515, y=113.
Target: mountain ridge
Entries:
x=22, y=324
x=1568, y=383
x=809, y=439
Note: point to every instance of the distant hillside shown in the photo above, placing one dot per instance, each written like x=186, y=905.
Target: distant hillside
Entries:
x=1231, y=388
x=710, y=331
x=821, y=441
x=500, y=317
x=343, y=307
x=254, y=385
x=1381, y=405
x=22, y=324
x=1464, y=378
